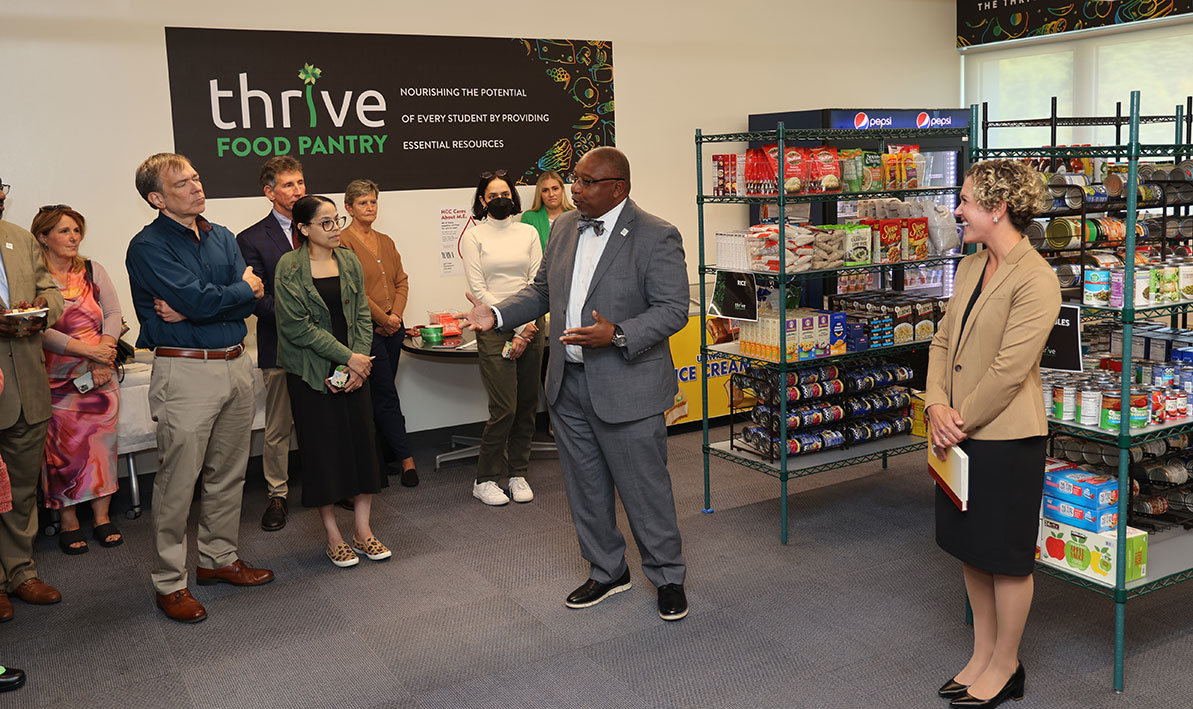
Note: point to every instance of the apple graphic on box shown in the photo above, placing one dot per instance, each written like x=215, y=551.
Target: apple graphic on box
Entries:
x=1077, y=554
x=1055, y=545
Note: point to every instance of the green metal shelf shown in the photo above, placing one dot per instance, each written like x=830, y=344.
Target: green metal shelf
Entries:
x=1099, y=312
x=803, y=465
x=1077, y=121
x=823, y=196
x=773, y=278
x=828, y=134
x=1123, y=440
x=1097, y=151
x=732, y=350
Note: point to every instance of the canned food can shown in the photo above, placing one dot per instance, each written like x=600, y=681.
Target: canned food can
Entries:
x=1058, y=186
x=1095, y=194
x=1097, y=286
x=1139, y=410
x=1111, y=412
x=1064, y=402
x=1157, y=402
x=1116, y=287
x=1172, y=410
x=1035, y=234
x=1142, y=287
x=1089, y=406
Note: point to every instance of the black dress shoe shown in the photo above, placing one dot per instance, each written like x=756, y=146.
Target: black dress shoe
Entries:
x=410, y=478
x=1013, y=689
x=275, y=515
x=593, y=592
x=673, y=604
x=952, y=688
x=11, y=678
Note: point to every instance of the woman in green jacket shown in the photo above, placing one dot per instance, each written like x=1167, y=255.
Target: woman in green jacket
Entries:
x=324, y=335
x=550, y=200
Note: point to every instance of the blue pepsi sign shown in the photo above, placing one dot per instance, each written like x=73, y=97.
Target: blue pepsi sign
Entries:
x=879, y=119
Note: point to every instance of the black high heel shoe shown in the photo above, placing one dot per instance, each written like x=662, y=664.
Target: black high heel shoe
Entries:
x=952, y=688
x=1012, y=689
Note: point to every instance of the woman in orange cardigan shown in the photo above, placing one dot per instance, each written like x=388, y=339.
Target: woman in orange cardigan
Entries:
x=984, y=395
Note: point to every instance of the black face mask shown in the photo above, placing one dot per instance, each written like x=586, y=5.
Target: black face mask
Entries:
x=500, y=208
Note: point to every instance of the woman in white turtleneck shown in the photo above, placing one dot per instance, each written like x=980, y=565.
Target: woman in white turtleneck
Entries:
x=501, y=256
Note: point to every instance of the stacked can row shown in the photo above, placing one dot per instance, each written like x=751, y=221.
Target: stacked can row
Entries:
x=1068, y=232
x=1097, y=401
x=1159, y=464
x=1160, y=283
x=819, y=382
x=835, y=435
x=818, y=413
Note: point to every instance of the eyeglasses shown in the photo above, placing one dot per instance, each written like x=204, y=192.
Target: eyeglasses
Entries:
x=586, y=182
x=53, y=207
x=330, y=225
x=495, y=173
x=5, y=187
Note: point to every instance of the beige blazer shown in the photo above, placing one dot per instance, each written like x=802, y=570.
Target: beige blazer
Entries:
x=26, y=388
x=991, y=376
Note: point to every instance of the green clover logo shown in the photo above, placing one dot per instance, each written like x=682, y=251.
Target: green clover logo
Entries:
x=309, y=75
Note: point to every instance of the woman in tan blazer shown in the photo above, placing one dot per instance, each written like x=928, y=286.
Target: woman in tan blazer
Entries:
x=984, y=396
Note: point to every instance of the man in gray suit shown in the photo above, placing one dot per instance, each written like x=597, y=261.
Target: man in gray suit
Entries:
x=614, y=277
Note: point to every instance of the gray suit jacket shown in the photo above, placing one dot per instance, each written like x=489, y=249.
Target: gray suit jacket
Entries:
x=641, y=284
x=26, y=388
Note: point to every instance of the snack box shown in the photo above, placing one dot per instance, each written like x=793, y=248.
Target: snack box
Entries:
x=1095, y=492
x=1082, y=517
x=919, y=417
x=836, y=332
x=1052, y=464
x=1090, y=554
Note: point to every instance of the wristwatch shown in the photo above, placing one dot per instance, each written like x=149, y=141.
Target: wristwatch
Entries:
x=618, y=336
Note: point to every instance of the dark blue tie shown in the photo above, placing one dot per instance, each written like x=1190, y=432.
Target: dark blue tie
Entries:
x=597, y=225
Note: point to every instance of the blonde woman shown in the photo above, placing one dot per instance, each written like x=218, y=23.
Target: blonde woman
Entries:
x=984, y=396
x=550, y=200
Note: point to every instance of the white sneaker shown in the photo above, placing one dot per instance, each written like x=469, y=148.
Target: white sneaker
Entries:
x=520, y=490
x=488, y=493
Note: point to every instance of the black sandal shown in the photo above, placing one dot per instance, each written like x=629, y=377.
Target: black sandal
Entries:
x=103, y=531
x=73, y=536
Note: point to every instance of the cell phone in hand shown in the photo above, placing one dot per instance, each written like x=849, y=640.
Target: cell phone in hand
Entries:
x=84, y=383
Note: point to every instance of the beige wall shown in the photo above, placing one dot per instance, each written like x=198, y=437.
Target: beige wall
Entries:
x=85, y=99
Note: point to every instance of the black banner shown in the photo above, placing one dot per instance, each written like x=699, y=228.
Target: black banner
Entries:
x=1063, y=350
x=989, y=21
x=408, y=111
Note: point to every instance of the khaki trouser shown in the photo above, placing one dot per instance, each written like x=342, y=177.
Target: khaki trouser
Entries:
x=22, y=447
x=275, y=451
x=204, y=414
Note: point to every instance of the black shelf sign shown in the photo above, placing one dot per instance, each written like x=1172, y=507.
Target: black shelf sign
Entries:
x=1063, y=349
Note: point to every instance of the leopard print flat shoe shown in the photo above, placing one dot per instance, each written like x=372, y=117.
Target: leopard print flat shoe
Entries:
x=372, y=548
x=342, y=555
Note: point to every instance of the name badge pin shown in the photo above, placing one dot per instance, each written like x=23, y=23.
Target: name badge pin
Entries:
x=8, y=244
x=624, y=231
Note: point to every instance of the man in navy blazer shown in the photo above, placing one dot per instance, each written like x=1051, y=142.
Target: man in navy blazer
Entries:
x=262, y=245
x=614, y=280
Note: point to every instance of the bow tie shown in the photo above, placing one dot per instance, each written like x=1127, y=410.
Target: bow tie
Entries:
x=597, y=225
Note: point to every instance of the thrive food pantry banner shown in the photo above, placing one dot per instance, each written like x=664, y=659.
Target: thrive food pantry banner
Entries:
x=988, y=21
x=408, y=111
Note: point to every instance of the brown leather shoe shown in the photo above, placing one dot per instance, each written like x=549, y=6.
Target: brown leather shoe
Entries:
x=6, y=612
x=37, y=591
x=181, y=606
x=237, y=573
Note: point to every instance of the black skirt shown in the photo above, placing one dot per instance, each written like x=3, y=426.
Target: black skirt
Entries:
x=998, y=532
x=336, y=443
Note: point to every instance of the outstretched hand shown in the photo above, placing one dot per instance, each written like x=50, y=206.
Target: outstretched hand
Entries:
x=599, y=334
x=480, y=318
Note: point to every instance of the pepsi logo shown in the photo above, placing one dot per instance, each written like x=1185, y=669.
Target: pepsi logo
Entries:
x=861, y=121
x=923, y=120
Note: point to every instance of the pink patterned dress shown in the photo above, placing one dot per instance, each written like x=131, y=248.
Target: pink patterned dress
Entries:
x=80, y=460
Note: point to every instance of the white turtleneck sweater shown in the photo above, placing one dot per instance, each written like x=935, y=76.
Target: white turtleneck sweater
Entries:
x=501, y=257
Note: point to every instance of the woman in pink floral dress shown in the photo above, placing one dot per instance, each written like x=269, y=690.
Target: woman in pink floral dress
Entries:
x=80, y=349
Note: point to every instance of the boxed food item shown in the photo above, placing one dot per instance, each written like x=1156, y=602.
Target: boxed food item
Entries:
x=1092, y=555
x=731, y=251
x=904, y=324
x=451, y=326
x=836, y=332
x=888, y=243
x=919, y=415
x=917, y=239
x=1054, y=464
x=924, y=319
x=1082, y=517
x=1096, y=492
x=808, y=335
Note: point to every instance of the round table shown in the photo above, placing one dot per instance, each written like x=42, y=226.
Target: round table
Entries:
x=459, y=348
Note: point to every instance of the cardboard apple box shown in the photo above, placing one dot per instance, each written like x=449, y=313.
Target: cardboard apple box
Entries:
x=1089, y=554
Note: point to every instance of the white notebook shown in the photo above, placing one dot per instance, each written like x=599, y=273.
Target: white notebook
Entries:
x=951, y=474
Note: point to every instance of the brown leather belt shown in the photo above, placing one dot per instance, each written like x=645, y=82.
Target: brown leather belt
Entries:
x=230, y=353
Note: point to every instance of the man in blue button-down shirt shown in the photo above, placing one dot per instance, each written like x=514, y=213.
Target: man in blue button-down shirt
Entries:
x=192, y=291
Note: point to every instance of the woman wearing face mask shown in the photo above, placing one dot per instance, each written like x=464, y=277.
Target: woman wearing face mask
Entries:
x=501, y=256
x=550, y=200
x=323, y=321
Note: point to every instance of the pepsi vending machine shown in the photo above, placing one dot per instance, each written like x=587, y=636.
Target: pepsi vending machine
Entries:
x=947, y=159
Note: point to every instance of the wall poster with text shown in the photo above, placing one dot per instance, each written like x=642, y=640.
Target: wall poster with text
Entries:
x=407, y=111
x=990, y=21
